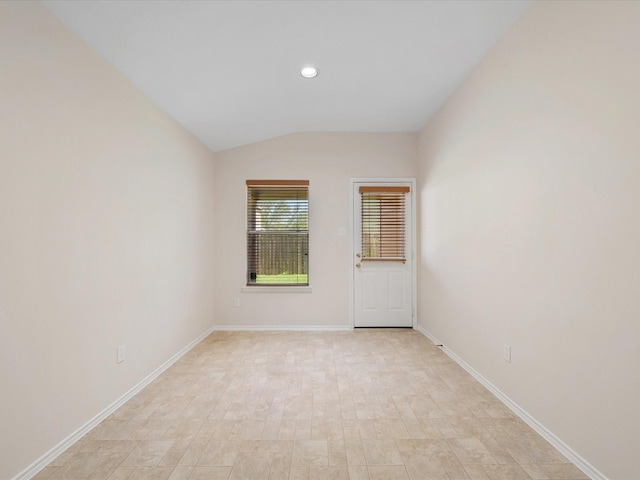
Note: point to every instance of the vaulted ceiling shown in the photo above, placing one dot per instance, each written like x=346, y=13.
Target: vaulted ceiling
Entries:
x=228, y=71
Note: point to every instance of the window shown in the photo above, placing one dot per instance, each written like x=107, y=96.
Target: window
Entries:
x=383, y=222
x=277, y=232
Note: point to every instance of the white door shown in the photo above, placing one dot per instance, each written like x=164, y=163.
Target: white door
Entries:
x=383, y=252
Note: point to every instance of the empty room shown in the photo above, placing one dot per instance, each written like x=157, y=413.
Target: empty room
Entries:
x=319, y=240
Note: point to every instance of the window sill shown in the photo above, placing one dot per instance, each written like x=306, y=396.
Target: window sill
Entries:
x=265, y=289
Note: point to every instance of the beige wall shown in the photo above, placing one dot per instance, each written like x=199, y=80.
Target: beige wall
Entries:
x=327, y=160
x=106, y=226
x=530, y=197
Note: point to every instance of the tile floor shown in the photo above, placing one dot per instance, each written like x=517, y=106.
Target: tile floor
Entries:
x=364, y=404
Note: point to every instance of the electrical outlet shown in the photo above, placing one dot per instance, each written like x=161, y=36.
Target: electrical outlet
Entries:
x=506, y=352
x=121, y=353
x=236, y=302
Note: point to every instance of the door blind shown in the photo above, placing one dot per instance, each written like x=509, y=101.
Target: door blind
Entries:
x=277, y=232
x=383, y=228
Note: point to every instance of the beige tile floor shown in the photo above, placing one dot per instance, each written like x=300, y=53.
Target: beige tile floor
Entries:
x=364, y=404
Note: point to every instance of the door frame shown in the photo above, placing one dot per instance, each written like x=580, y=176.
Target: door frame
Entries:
x=414, y=237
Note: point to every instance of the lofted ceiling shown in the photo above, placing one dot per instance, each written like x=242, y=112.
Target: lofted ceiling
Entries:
x=228, y=71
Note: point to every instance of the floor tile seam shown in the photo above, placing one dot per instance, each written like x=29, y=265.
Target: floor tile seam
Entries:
x=195, y=462
x=536, y=438
x=67, y=465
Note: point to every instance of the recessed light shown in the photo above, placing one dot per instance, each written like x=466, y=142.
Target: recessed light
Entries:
x=309, y=72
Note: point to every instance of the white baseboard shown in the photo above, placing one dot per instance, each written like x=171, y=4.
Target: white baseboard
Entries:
x=545, y=433
x=282, y=328
x=52, y=454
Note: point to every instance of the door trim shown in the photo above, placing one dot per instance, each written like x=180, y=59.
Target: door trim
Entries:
x=414, y=244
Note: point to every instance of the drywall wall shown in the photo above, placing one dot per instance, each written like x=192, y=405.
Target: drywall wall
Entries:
x=106, y=221
x=328, y=161
x=530, y=224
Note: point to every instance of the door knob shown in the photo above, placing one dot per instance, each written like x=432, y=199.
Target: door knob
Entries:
x=358, y=265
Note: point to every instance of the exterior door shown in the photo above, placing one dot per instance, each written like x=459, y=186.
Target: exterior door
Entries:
x=383, y=252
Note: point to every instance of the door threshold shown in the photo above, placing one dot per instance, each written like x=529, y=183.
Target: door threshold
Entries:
x=406, y=328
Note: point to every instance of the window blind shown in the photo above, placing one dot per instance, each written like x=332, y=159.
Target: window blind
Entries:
x=277, y=232
x=383, y=228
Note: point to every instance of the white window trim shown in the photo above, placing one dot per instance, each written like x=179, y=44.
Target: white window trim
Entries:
x=281, y=289
x=265, y=288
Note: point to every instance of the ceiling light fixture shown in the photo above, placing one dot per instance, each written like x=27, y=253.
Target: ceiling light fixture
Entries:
x=309, y=72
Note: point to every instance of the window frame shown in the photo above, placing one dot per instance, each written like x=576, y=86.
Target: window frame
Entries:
x=386, y=212
x=284, y=187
